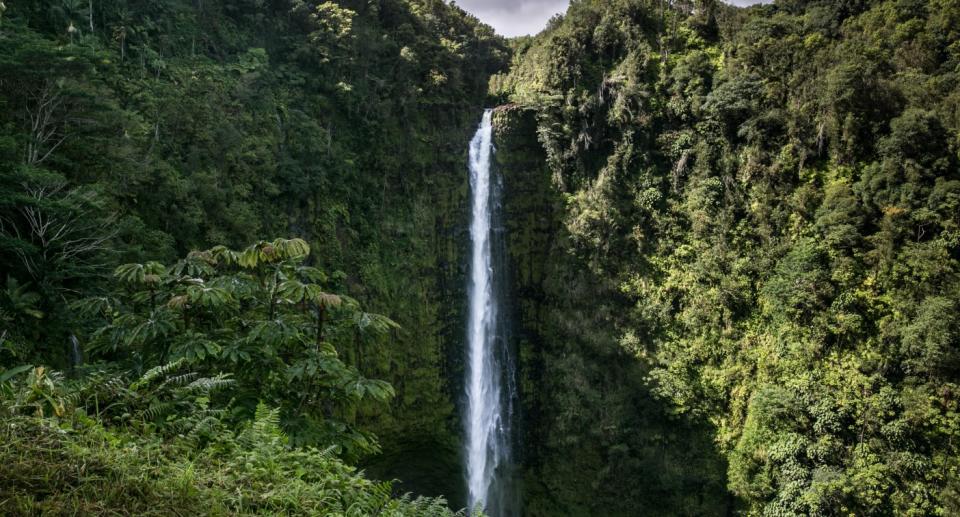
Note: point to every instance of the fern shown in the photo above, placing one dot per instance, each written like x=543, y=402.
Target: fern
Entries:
x=266, y=423
x=178, y=381
x=204, y=427
x=157, y=373
x=208, y=385
x=156, y=409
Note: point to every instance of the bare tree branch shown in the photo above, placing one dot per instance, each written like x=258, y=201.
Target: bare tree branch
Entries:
x=70, y=235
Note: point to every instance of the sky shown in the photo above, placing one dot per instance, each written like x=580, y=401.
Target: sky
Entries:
x=519, y=17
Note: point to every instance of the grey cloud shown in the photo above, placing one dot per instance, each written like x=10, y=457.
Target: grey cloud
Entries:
x=515, y=17
x=519, y=17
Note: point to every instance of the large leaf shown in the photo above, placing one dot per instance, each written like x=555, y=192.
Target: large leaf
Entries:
x=292, y=249
x=151, y=272
x=294, y=290
x=209, y=297
x=13, y=372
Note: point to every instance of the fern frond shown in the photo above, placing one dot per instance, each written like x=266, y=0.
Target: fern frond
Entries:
x=205, y=427
x=267, y=421
x=158, y=409
x=265, y=428
x=157, y=372
x=207, y=385
x=181, y=380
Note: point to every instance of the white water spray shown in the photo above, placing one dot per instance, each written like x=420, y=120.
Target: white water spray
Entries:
x=488, y=365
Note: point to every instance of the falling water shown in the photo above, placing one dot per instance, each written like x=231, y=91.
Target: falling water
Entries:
x=489, y=384
x=76, y=355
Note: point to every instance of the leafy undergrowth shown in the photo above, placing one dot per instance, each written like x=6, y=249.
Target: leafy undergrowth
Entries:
x=59, y=456
x=83, y=470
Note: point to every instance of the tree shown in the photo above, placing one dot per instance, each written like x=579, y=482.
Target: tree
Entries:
x=260, y=314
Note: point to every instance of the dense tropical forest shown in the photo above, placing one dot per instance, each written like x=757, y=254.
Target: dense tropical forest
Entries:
x=233, y=256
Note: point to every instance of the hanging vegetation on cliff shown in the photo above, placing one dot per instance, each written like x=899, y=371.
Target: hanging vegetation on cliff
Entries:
x=775, y=190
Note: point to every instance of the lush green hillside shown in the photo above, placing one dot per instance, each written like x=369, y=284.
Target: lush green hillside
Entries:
x=733, y=240
x=760, y=207
x=594, y=441
x=140, y=131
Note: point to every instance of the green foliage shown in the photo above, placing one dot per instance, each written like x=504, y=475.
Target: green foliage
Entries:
x=258, y=315
x=759, y=207
x=179, y=125
x=155, y=447
x=776, y=201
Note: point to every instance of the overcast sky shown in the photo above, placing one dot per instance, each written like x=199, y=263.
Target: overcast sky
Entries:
x=518, y=17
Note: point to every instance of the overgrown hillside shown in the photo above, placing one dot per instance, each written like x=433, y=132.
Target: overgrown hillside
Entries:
x=138, y=131
x=755, y=228
x=733, y=240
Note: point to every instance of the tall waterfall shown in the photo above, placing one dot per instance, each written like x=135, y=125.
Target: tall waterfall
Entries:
x=490, y=384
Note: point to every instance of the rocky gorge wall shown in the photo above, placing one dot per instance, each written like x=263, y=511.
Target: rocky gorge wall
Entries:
x=594, y=440
x=420, y=278
x=589, y=428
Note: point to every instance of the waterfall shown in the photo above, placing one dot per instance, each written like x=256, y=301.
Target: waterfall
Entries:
x=76, y=355
x=490, y=385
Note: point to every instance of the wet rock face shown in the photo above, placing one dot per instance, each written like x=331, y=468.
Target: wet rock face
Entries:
x=532, y=207
x=532, y=210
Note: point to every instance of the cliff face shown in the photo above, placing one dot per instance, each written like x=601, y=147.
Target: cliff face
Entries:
x=594, y=441
x=750, y=267
x=420, y=268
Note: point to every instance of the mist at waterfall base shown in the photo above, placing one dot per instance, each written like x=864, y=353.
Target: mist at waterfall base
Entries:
x=490, y=384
